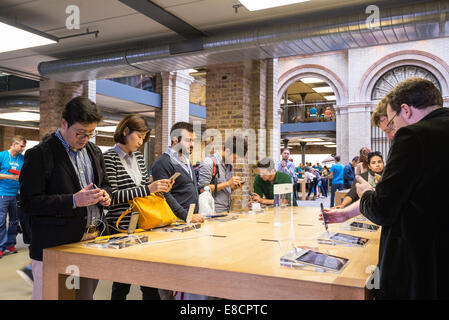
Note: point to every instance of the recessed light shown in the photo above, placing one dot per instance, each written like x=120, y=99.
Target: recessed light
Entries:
x=107, y=128
x=253, y=5
x=16, y=36
x=20, y=116
x=311, y=80
x=323, y=89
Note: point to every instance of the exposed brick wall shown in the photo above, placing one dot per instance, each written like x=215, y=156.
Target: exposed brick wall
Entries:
x=54, y=96
x=198, y=91
x=104, y=141
x=241, y=96
x=7, y=133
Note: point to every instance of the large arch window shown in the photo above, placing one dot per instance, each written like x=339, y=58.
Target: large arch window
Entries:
x=386, y=82
x=391, y=78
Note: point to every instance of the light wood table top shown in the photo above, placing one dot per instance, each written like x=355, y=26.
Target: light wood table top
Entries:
x=226, y=259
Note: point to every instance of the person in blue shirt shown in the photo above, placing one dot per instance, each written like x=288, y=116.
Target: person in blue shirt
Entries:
x=11, y=162
x=336, y=174
x=312, y=112
x=349, y=173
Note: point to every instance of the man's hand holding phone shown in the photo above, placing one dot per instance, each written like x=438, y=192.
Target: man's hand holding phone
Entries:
x=163, y=185
x=234, y=182
x=106, y=199
x=88, y=196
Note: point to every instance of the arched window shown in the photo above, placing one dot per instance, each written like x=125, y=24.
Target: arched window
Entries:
x=391, y=78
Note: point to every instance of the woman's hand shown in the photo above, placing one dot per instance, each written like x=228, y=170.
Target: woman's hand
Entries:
x=163, y=185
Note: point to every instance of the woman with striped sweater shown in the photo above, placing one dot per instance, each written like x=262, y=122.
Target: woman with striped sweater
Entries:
x=128, y=178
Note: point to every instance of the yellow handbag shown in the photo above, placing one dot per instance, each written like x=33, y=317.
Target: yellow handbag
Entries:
x=154, y=212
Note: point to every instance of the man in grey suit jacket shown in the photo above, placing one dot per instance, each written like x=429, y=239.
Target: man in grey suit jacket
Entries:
x=176, y=159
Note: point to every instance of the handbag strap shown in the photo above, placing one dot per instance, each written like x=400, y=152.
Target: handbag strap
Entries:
x=120, y=219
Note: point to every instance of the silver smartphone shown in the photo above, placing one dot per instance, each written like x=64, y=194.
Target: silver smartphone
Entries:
x=175, y=175
x=133, y=222
x=190, y=213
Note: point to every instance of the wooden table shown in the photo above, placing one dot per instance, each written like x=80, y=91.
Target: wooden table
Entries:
x=339, y=196
x=222, y=259
x=302, y=182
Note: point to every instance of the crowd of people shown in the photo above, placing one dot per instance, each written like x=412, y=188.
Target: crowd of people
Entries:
x=70, y=191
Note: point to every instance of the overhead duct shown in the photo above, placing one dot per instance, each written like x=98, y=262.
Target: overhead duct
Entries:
x=410, y=23
x=15, y=104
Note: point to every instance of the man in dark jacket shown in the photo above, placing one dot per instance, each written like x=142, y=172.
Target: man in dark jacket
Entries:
x=67, y=205
x=414, y=243
x=176, y=159
x=349, y=173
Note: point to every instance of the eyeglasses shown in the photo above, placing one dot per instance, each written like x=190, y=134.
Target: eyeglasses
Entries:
x=390, y=127
x=82, y=135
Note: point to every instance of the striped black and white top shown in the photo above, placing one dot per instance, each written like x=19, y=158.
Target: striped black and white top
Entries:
x=123, y=187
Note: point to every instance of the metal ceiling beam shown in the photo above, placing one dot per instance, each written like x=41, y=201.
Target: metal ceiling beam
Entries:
x=165, y=18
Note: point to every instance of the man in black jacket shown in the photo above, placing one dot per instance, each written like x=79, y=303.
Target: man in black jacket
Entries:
x=176, y=159
x=65, y=205
x=414, y=241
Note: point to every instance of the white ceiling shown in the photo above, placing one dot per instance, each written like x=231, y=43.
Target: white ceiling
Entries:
x=121, y=26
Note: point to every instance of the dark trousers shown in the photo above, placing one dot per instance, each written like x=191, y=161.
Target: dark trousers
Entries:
x=121, y=290
x=324, y=187
x=334, y=188
x=312, y=187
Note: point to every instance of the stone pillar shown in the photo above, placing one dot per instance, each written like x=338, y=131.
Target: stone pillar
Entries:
x=303, y=152
x=342, y=133
x=175, y=102
x=359, y=129
x=54, y=96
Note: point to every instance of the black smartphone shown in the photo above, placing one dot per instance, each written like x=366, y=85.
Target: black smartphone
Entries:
x=364, y=226
x=324, y=216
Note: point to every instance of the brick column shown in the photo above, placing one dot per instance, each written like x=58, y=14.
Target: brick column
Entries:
x=241, y=98
x=273, y=115
x=54, y=96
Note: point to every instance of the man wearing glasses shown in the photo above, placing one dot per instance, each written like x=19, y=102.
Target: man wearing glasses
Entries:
x=380, y=119
x=63, y=186
x=414, y=241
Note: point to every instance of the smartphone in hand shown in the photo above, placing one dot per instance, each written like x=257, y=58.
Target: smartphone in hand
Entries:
x=324, y=216
x=173, y=177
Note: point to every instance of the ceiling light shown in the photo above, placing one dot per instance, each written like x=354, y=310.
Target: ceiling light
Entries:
x=253, y=5
x=330, y=98
x=16, y=36
x=323, y=89
x=323, y=143
x=111, y=121
x=193, y=70
x=20, y=116
x=107, y=128
x=311, y=140
x=330, y=145
x=288, y=101
x=311, y=80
